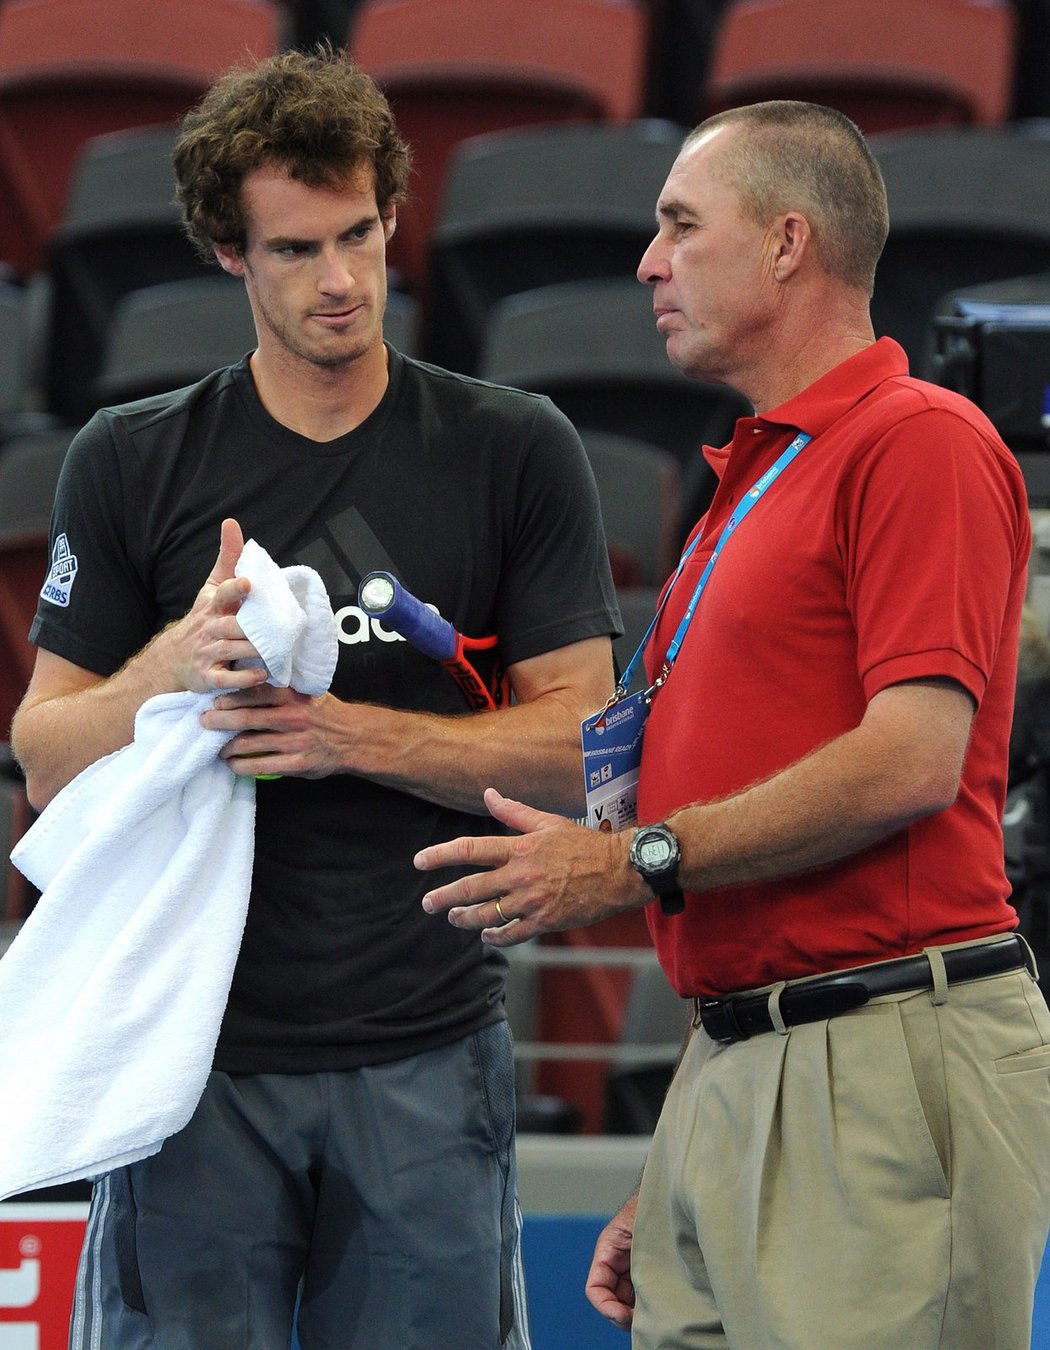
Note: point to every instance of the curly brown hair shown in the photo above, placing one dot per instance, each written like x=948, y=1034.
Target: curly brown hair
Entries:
x=312, y=114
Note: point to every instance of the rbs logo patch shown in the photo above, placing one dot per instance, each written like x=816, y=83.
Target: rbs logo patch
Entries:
x=58, y=584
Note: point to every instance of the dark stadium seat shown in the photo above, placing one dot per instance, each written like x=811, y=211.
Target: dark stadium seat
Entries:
x=639, y=487
x=593, y=347
x=29, y=468
x=457, y=68
x=967, y=206
x=120, y=231
x=166, y=336
x=533, y=207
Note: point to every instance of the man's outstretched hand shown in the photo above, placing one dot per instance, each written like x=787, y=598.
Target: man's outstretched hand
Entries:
x=550, y=876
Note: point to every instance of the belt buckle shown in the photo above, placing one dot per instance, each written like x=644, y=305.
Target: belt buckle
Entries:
x=719, y=1020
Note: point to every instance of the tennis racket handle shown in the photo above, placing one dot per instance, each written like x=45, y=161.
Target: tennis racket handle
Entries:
x=382, y=596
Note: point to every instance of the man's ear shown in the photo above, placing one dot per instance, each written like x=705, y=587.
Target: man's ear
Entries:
x=792, y=240
x=390, y=223
x=229, y=259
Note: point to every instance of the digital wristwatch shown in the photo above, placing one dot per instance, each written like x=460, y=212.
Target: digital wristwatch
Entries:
x=655, y=856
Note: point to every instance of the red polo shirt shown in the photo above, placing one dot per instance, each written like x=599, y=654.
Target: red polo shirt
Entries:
x=894, y=547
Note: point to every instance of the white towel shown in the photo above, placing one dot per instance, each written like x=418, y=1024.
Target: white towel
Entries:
x=112, y=993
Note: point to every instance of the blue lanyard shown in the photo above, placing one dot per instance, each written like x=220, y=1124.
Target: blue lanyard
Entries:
x=742, y=508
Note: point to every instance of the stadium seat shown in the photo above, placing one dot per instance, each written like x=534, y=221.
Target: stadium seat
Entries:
x=29, y=469
x=123, y=170
x=639, y=490
x=593, y=347
x=967, y=206
x=120, y=231
x=533, y=207
x=73, y=69
x=166, y=336
x=457, y=68
x=887, y=64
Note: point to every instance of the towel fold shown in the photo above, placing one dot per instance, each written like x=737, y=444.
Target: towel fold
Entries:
x=113, y=991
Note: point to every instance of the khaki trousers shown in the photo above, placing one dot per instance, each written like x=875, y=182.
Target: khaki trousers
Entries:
x=878, y=1181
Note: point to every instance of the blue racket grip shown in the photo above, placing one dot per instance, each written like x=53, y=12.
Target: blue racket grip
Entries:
x=382, y=596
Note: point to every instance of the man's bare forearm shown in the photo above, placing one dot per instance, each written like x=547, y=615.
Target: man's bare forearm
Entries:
x=448, y=759
x=71, y=716
x=55, y=736
x=902, y=763
x=452, y=760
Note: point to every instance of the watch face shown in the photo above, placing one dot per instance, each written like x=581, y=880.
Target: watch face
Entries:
x=654, y=852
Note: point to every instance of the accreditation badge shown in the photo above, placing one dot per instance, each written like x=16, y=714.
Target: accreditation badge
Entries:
x=612, y=755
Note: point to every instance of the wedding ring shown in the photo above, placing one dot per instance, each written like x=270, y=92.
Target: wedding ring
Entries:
x=499, y=910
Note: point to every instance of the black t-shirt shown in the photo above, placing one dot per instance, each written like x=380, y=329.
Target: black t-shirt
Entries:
x=480, y=500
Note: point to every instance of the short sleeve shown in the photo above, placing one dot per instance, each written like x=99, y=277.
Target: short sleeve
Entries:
x=557, y=585
x=102, y=615
x=933, y=529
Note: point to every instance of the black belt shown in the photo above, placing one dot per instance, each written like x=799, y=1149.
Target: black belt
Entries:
x=738, y=1017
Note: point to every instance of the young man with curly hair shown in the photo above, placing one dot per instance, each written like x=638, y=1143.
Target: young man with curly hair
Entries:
x=353, y=1153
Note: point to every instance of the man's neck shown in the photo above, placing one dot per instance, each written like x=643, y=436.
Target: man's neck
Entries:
x=802, y=367
x=825, y=324
x=320, y=402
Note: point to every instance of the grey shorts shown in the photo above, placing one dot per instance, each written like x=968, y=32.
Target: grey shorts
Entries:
x=373, y=1208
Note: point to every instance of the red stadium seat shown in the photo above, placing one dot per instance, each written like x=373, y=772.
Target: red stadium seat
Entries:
x=72, y=69
x=888, y=64
x=457, y=68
